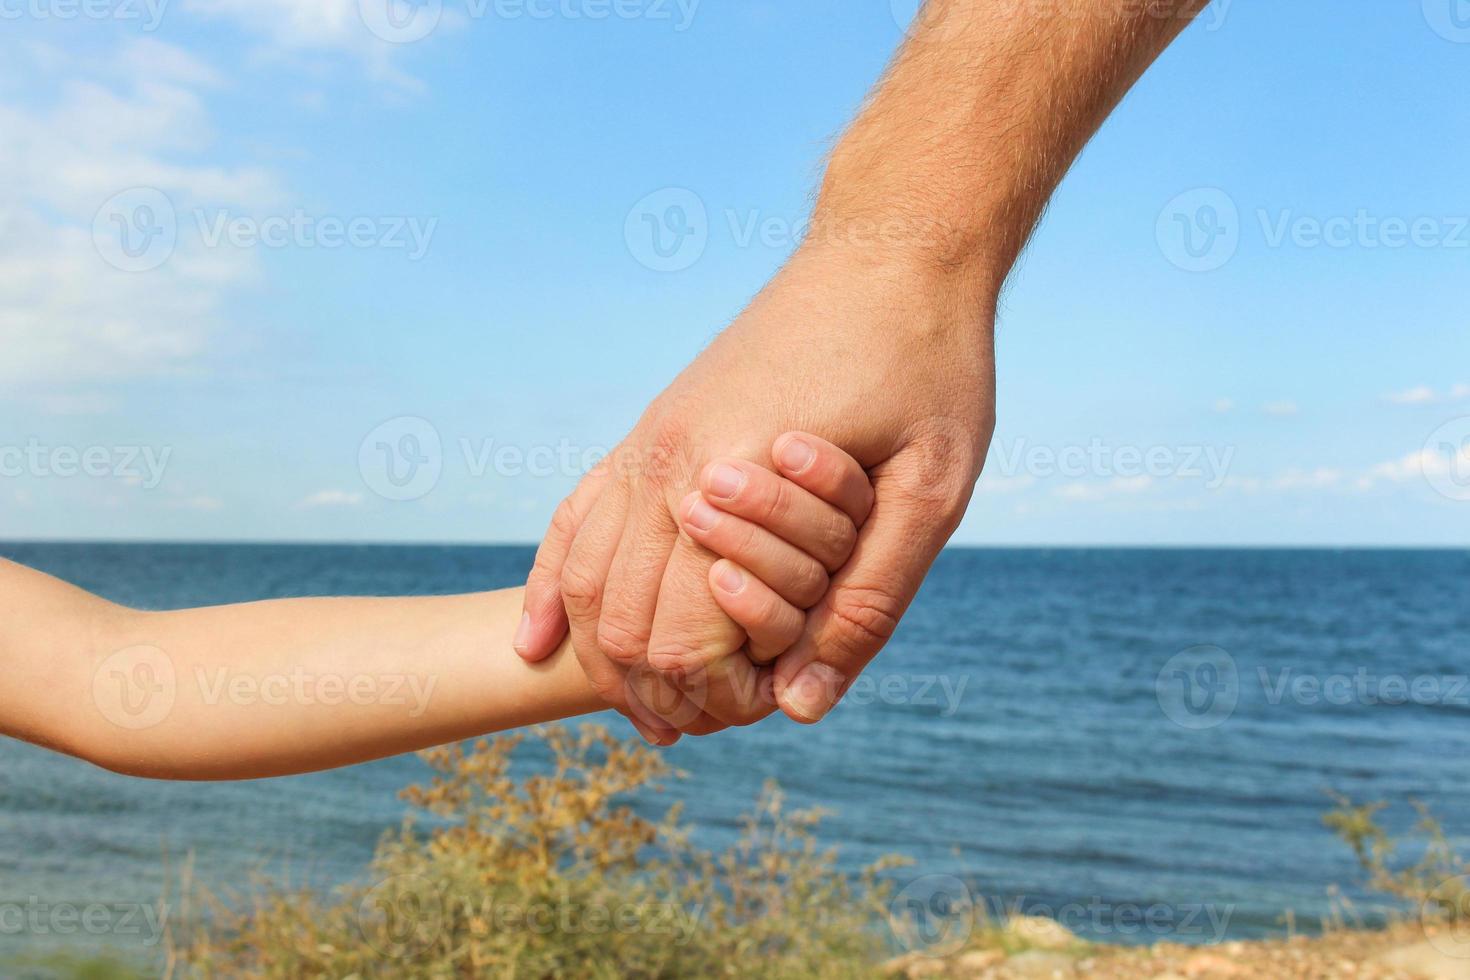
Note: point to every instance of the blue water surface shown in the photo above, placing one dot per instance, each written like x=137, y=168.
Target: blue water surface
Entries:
x=1111, y=730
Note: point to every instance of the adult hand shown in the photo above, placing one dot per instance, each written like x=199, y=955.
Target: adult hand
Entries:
x=891, y=362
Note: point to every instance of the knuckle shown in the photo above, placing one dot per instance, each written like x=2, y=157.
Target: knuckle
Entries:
x=667, y=453
x=746, y=538
x=622, y=643
x=840, y=538
x=672, y=656
x=694, y=649
x=611, y=691
x=865, y=618
x=564, y=521
x=775, y=502
x=581, y=589
x=809, y=583
x=766, y=618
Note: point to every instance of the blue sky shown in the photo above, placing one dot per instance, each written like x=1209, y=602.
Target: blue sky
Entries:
x=1242, y=322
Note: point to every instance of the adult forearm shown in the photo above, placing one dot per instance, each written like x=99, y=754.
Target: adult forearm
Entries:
x=951, y=162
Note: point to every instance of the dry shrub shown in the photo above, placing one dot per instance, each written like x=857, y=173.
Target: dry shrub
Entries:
x=553, y=874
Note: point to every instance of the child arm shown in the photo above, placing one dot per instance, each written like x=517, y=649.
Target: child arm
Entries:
x=266, y=688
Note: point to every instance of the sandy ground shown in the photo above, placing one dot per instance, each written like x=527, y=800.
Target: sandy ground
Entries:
x=1410, y=951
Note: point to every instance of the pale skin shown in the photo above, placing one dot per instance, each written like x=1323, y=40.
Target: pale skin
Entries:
x=297, y=685
x=878, y=334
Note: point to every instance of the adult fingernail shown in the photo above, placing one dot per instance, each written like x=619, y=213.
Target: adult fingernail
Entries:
x=522, y=641
x=812, y=692
x=702, y=515
x=796, y=455
x=730, y=578
x=725, y=481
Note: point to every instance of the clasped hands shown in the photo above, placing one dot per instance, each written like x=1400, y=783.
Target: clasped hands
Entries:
x=755, y=540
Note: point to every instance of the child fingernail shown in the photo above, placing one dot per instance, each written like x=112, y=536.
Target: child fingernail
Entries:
x=730, y=578
x=702, y=515
x=796, y=455
x=522, y=640
x=725, y=481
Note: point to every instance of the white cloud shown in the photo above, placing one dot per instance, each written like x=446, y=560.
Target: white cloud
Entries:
x=1117, y=486
x=1417, y=465
x=291, y=27
x=1282, y=409
x=997, y=484
x=1316, y=479
x=1421, y=395
x=149, y=58
x=1460, y=391
x=73, y=403
x=1224, y=405
x=65, y=313
x=332, y=498
x=201, y=502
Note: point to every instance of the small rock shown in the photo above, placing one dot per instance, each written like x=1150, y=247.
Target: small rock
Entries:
x=977, y=961
x=1039, y=932
x=1431, y=960
x=1036, y=964
x=899, y=965
x=1210, y=965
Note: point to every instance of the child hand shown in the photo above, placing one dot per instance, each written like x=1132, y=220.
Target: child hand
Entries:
x=778, y=534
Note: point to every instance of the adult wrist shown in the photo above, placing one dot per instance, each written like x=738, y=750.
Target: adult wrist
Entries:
x=914, y=242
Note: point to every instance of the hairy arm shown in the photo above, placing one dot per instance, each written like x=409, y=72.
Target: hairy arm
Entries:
x=877, y=335
x=267, y=688
x=968, y=134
